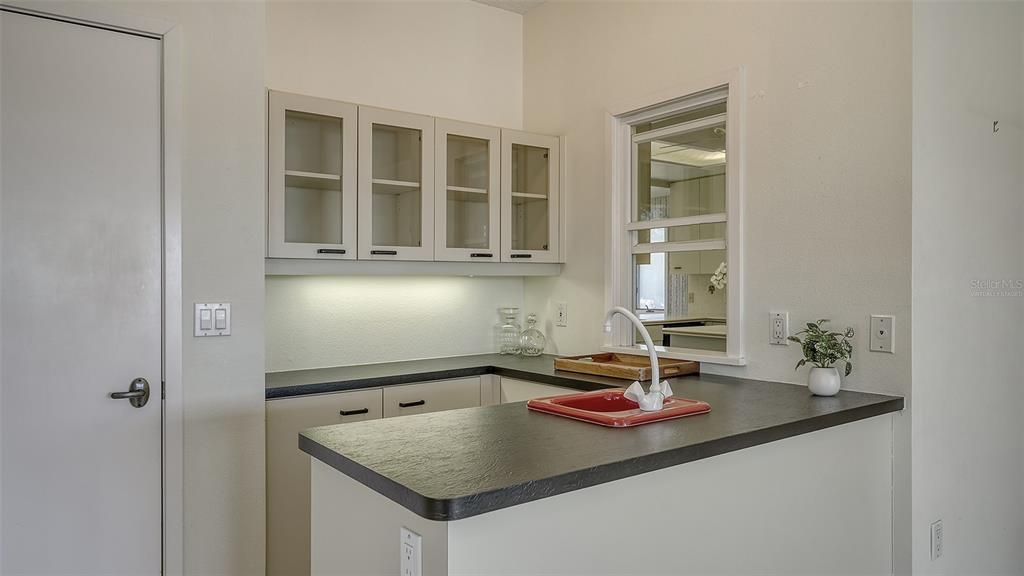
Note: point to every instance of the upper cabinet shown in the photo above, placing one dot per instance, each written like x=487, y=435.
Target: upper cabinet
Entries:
x=529, y=197
x=467, y=205
x=312, y=178
x=348, y=182
x=396, y=185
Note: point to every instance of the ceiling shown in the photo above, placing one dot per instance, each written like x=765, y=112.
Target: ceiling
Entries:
x=518, y=6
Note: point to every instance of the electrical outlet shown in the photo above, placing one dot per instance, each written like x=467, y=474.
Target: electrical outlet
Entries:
x=778, y=324
x=411, y=553
x=883, y=333
x=936, y=539
x=562, y=314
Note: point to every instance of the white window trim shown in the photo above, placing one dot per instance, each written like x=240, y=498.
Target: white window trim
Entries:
x=618, y=272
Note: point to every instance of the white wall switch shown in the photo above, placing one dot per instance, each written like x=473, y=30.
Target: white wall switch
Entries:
x=213, y=319
x=778, y=328
x=561, y=314
x=411, y=551
x=883, y=333
x=936, y=539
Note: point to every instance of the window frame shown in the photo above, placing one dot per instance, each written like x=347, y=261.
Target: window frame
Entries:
x=621, y=168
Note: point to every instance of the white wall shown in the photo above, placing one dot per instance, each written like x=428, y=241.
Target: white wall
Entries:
x=223, y=232
x=828, y=195
x=453, y=59
x=329, y=321
x=968, y=459
x=828, y=155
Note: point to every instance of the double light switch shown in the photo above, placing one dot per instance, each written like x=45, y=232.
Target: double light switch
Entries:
x=213, y=319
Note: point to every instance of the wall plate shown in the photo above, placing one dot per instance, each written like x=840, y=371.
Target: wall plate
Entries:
x=212, y=319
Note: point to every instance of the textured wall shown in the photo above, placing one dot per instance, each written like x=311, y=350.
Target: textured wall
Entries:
x=328, y=321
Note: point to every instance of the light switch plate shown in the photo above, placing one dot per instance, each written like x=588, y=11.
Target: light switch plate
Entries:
x=883, y=333
x=212, y=319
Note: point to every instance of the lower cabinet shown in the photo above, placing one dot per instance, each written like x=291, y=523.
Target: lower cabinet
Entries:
x=513, y=390
x=431, y=397
x=288, y=467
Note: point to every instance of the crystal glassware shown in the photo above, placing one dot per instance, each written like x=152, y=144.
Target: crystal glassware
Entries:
x=510, y=331
x=532, y=341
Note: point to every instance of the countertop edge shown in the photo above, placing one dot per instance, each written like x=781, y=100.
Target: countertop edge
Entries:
x=457, y=508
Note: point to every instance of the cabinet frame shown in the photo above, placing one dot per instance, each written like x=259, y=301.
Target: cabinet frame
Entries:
x=368, y=116
x=442, y=252
x=277, y=246
x=553, y=145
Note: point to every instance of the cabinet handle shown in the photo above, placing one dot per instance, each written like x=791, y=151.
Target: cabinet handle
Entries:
x=481, y=255
x=384, y=252
x=329, y=251
x=354, y=412
x=411, y=404
x=522, y=255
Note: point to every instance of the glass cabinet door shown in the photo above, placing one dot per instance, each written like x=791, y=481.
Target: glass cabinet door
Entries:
x=396, y=185
x=530, y=197
x=311, y=178
x=467, y=182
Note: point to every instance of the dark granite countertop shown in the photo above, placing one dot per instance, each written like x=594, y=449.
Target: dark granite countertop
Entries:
x=461, y=463
x=321, y=380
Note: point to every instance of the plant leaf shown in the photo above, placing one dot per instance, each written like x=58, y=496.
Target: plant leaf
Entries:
x=849, y=368
x=800, y=363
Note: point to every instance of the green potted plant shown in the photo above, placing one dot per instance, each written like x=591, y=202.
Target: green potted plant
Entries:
x=823, y=348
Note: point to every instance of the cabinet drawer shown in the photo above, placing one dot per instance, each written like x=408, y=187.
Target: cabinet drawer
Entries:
x=513, y=390
x=288, y=468
x=431, y=396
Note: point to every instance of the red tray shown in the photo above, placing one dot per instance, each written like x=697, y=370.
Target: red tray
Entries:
x=611, y=408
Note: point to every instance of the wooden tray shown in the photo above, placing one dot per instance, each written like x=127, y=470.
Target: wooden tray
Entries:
x=625, y=366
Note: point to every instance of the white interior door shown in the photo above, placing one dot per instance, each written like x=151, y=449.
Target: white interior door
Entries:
x=80, y=298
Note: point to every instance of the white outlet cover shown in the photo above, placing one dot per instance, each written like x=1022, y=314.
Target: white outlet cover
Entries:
x=561, y=314
x=411, y=553
x=781, y=319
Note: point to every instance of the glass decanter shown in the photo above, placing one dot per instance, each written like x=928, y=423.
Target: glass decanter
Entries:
x=532, y=341
x=510, y=331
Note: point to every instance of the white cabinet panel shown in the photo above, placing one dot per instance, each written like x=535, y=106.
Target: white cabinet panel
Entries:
x=467, y=203
x=431, y=396
x=396, y=185
x=513, y=390
x=311, y=178
x=530, y=197
x=288, y=468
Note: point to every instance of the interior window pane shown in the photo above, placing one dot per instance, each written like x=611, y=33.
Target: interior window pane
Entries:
x=680, y=298
x=682, y=174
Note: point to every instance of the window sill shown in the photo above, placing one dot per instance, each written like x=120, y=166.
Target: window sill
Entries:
x=703, y=356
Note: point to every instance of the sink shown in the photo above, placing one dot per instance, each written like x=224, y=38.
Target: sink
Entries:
x=610, y=408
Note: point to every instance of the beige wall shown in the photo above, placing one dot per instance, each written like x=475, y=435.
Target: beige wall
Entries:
x=827, y=150
x=968, y=458
x=453, y=59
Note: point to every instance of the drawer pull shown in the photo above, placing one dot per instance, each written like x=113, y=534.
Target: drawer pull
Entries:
x=481, y=255
x=411, y=404
x=522, y=255
x=384, y=252
x=329, y=251
x=354, y=412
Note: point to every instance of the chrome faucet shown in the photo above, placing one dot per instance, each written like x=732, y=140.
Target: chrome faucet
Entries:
x=649, y=401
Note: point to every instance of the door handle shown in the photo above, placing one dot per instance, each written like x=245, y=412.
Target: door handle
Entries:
x=137, y=394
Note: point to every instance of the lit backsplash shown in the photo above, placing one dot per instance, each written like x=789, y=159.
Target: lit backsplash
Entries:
x=317, y=321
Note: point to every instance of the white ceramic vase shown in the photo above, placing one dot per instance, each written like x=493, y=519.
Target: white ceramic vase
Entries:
x=823, y=381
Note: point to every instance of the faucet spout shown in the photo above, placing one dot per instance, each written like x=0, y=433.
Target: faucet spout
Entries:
x=651, y=401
